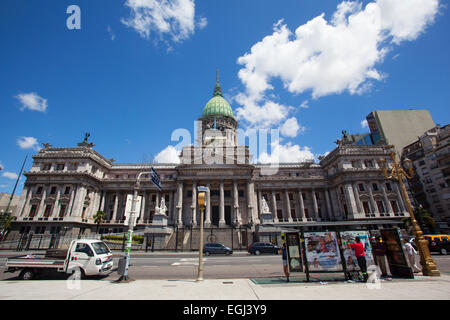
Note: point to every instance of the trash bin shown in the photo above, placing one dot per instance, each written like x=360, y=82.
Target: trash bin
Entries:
x=122, y=266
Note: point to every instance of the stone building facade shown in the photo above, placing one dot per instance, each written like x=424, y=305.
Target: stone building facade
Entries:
x=65, y=187
x=431, y=184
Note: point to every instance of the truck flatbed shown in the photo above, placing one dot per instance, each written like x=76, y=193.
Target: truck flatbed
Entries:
x=35, y=261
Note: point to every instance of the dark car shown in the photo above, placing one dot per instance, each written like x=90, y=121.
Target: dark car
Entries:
x=216, y=248
x=263, y=247
x=443, y=247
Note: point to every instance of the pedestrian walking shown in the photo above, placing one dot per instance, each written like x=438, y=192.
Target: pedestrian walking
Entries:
x=411, y=255
x=285, y=265
x=379, y=249
x=360, y=256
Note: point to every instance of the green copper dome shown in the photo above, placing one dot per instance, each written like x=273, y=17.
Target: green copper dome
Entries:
x=217, y=106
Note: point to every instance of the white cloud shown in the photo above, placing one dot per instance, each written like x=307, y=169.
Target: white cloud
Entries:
x=28, y=143
x=10, y=175
x=172, y=18
x=290, y=128
x=202, y=23
x=168, y=155
x=111, y=33
x=364, y=124
x=304, y=104
x=286, y=153
x=32, y=101
x=330, y=57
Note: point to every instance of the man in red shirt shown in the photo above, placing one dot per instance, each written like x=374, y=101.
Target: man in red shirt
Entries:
x=360, y=256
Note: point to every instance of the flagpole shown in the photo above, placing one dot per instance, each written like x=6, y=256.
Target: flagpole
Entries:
x=15, y=186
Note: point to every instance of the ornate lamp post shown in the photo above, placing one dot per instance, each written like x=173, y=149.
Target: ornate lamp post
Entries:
x=428, y=265
x=201, y=198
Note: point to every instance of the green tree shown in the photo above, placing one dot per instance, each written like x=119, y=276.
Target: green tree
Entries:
x=6, y=223
x=423, y=218
x=99, y=218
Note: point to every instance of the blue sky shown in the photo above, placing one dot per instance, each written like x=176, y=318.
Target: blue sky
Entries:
x=308, y=68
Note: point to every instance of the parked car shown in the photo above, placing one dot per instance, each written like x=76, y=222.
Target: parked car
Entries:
x=263, y=247
x=437, y=245
x=216, y=248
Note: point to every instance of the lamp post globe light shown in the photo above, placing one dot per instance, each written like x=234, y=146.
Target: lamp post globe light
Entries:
x=201, y=199
x=396, y=172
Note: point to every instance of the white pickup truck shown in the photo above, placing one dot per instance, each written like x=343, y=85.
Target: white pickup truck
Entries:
x=90, y=257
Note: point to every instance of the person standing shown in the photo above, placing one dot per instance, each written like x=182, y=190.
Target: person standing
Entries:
x=411, y=255
x=285, y=265
x=360, y=256
x=379, y=249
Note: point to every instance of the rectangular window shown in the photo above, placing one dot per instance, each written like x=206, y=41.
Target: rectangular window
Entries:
x=47, y=166
x=62, y=211
x=375, y=186
x=227, y=193
x=394, y=206
x=366, y=207
x=53, y=190
x=60, y=166
x=32, y=211
x=67, y=190
x=39, y=190
x=241, y=193
x=277, y=197
x=380, y=206
x=388, y=186
x=291, y=196
x=48, y=211
x=361, y=187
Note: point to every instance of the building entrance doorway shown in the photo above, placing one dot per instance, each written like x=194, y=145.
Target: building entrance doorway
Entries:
x=228, y=215
x=215, y=215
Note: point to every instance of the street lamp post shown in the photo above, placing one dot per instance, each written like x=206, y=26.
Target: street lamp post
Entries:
x=428, y=265
x=202, y=203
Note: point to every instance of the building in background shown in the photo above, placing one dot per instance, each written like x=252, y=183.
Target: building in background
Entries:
x=65, y=187
x=4, y=199
x=430, y=186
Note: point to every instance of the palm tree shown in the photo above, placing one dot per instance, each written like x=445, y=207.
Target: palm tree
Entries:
x=99, y=217
x=423, y=218
x=6, y=222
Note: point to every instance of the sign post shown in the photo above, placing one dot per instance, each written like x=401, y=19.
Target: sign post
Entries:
x=134, y=202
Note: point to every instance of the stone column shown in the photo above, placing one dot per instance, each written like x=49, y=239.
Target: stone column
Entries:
x=372, y=201
x=349, y=197
x=71, y=201
x=40, y=212
x=55, y=209
x=259, y=203
x=302, y=205
x=358, y=201
x=180, y=203
x=194, y=203
x=274, y=207
x=387, y=203
x=288, y=206
x=142, y=209
x=116, y=207
x=103, y=201
x=208, y=206
x=327, y=199
x=158, y=198
x=24, y=201
x=221, y=206
x=236, y=202
x=315, y=207
x=401, y=204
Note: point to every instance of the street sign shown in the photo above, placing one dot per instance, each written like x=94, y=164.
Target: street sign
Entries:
x=202, y=189
x=137, y=212
x=156, y=179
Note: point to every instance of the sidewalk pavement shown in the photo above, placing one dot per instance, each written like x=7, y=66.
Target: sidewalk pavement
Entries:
x=420, y=288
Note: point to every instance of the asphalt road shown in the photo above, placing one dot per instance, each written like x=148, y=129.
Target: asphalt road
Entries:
x=185, y=266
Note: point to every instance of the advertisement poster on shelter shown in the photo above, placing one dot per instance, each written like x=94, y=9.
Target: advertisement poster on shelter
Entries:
x=322, y=251
x=349, y=254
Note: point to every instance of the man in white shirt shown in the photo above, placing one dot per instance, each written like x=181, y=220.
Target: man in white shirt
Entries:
x=411, y=255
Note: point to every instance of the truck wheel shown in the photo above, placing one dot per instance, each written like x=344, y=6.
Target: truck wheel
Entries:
x=27, y=274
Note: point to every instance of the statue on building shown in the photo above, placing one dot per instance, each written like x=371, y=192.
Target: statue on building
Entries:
x=85, y=142
x=46, y=145
x=265, y=207
x=162, y=207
